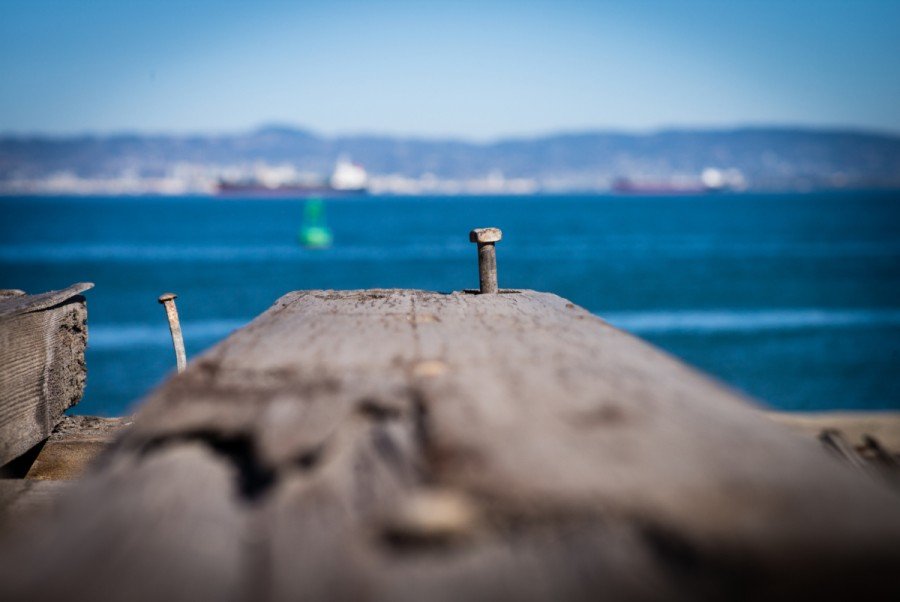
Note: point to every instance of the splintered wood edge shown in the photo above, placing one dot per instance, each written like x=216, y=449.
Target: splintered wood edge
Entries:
x=11, y=306
x=883, y=426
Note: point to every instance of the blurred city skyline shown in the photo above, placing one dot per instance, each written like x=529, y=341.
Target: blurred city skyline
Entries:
x=477, y=71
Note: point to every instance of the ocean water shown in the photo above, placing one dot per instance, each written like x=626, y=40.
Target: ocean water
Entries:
x=794, y=299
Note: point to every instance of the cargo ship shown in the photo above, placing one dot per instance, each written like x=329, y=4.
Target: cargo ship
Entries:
x=347, y=179
x=628, y=186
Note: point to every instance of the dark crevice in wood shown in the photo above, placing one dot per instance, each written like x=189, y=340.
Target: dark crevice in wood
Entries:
x=401, y=542
x=375, y=410
x=421, y=434
x=387, y=448
x=354, y=296
x=310, y=458
x=674, y=551
x=18, y=467
x=867, y=458
x=711, y=575
x=879, y=452
x=253, y=478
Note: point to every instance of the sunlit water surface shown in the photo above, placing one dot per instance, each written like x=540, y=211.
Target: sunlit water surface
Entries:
x=792, y=298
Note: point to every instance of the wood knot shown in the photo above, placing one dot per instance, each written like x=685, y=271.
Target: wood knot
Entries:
x=430, y=517
x=429, y=368
x=424, y=318
x=605, y=415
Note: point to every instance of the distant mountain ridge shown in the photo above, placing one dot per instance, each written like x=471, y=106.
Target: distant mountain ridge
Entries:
x=775, y=158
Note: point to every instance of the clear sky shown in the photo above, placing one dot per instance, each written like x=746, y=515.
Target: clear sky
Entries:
x=479, y=70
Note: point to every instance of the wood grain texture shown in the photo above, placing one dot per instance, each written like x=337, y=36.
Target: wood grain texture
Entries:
x=42, y=368
x=405, y=445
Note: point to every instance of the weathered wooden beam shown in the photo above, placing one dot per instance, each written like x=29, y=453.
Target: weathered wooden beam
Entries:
x=75, y=443
x=42, y=370
x=406, y=445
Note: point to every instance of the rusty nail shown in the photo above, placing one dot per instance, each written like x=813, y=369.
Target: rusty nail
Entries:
x=168, y=300
x=487, y=257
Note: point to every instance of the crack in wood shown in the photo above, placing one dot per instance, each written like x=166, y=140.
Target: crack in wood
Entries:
x=252, y=479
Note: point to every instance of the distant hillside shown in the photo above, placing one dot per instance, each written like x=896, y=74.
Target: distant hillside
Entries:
x=766, y=158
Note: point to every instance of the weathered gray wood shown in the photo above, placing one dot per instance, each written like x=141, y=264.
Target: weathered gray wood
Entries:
x=13, y=305
x=392, y=445
x=167, y=533
x=42, y=370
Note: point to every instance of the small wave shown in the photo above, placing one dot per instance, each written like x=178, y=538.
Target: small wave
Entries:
x=730, y=320
x=205, y=332
x=581, y=249
x=130, y=253
x=127, y=336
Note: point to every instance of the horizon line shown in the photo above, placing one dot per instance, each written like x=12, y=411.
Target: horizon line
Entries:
x=561, y=132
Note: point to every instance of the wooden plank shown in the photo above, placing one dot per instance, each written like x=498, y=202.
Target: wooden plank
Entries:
x=75, y=443
x=390, y=445
x=42, y=369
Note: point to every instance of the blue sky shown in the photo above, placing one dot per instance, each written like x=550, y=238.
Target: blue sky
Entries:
x=477, y=70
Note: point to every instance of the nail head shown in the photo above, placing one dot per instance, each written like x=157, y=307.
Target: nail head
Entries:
x=167, y=297
x=484, y=235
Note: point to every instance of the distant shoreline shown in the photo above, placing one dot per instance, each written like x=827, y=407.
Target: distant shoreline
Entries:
x=4, y=195
x=757, y=159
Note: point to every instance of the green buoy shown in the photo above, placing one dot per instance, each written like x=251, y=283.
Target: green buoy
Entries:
x=314, y=234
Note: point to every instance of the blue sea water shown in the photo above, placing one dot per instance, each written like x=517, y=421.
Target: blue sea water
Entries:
x=793, y=298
